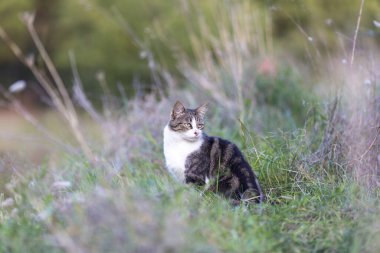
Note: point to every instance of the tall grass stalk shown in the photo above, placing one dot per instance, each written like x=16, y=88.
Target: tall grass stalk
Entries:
x=55, y=88
x=224, y=51
x=356, y=32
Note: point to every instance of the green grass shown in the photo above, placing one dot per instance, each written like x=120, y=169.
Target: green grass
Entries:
x=314, y=204
x=127, y=202
x=141, y=209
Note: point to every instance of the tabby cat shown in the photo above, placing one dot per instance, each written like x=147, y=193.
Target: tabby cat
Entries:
x=193, y=157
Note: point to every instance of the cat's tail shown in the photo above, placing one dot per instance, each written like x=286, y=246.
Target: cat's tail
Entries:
x=254, y=193
x=261, y=196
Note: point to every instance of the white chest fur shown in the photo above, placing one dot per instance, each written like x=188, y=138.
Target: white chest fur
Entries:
x=176, y=150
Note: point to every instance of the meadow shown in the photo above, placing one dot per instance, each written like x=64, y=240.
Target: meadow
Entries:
x=84, y=176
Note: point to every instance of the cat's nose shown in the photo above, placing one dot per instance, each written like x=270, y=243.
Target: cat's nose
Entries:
x=196, y=133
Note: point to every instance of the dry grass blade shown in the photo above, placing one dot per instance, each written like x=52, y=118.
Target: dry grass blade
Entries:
x=20, y=109
x=60, y=97
x=153, y=66
x=79, y=94
x=28, y=19
x=226, y=51
x=356, y=32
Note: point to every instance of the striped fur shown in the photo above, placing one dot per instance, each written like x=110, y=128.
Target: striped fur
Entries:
x=224, y=165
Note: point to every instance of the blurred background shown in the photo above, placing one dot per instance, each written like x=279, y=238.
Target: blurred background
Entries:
x=121, y=38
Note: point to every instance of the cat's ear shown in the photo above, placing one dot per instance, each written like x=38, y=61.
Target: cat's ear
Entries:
x=178, y=110
x=201, y=110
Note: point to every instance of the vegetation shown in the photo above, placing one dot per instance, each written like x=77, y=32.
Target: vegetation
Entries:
x=93, y=30
x=101, y=184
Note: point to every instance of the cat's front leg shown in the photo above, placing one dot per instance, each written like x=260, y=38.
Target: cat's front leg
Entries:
x=192, y=178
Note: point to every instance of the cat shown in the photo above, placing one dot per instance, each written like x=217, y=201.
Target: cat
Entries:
x=191, y=156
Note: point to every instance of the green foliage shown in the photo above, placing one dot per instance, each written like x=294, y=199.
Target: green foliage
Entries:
x=314, y=29
x=287, y=95
x=140, y=208
x=23, y=235
x=113, y=36
x=9, y=20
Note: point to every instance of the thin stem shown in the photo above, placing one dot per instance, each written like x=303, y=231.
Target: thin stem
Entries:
x=50, y=66
x=20, y=109
x=63, y=103
x=356, y=32
x=38, y=75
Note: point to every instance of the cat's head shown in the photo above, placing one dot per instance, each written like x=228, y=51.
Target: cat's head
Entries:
x=188, y=123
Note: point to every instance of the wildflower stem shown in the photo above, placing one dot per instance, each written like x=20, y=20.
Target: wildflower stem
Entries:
x=356, y=32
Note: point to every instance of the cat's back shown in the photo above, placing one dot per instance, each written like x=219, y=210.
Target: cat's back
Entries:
x=214, y=145
x=216, y=151
x=220, y=152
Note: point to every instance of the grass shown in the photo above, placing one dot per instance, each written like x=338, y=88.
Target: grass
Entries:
x=139, y=208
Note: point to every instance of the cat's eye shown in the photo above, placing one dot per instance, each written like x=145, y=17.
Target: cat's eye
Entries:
x=187, y=125
x=201, y=126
